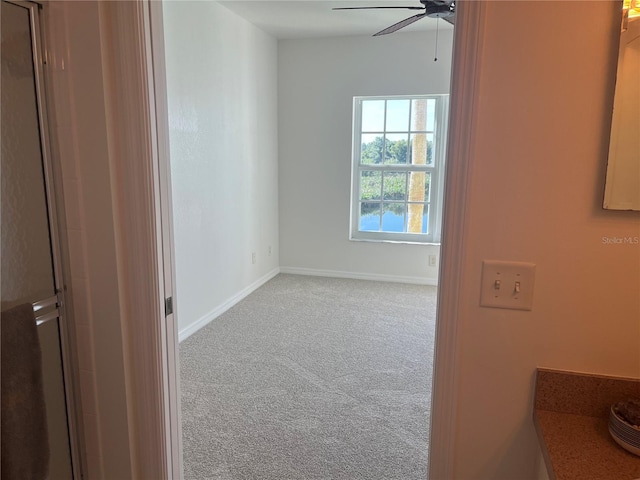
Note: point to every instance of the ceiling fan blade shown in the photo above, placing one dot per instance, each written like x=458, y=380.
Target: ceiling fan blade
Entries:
x=397, y=26
x=372, y=8
x=451, y=19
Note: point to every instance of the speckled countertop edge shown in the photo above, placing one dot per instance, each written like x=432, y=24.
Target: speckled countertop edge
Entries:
x=582, y=394
x=567, y=404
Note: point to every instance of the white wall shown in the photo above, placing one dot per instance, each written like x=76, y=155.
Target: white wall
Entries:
x=318, y=79
x=222, y=89
x=538, y=172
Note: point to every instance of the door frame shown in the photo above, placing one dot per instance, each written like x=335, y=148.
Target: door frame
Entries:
x=138, y=37
x=138, y=143
x=467, y=58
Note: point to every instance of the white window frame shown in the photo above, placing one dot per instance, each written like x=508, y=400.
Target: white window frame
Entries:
x=436, y=170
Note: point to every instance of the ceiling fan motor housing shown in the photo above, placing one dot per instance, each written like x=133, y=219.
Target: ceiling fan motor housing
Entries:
x=438, y=9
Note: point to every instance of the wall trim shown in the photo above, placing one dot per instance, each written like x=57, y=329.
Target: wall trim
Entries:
x=467, y=59
x=206, y=319
x=376, y=277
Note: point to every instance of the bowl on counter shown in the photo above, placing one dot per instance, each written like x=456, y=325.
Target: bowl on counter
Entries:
x=623, y=425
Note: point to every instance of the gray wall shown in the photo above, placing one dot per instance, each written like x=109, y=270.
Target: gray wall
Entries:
x=318, y=79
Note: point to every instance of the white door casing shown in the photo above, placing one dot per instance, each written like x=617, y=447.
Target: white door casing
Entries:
x=137, y=121
x=467, y=56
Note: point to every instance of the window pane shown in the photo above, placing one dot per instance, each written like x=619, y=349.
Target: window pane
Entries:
x=418, y=186
x=397, y=115
x=431, y=114
x=373, y=115
x=394, y=186
x=393, y=217
x=417, y=218
x=369, y=217
x=372, y=146
x=427, y=187
x=421, y=149
x=397, y=148
x=419, y=115
x=370, y=185
x=423, y=115
x=425, y=219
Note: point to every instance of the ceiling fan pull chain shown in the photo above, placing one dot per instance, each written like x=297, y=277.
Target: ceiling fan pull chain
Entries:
x=435, y=59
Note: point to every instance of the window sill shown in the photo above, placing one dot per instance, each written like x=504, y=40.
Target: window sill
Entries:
x=405, y=242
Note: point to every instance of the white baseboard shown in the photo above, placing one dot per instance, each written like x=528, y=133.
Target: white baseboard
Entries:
x=359, y=276
x=186, y=332
x=230, y=302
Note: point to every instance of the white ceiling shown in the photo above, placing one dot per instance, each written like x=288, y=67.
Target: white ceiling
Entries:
x=310, y=18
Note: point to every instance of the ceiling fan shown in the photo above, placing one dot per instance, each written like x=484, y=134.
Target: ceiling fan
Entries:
x=444, y=9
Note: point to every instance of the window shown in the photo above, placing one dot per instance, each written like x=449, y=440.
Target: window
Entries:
x=398, y=165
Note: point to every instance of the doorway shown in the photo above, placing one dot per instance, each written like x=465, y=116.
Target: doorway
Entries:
x=245, y=259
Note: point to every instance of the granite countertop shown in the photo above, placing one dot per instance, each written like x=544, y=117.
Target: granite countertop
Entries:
x=571, y=417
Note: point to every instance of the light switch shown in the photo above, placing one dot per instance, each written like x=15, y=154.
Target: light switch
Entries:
x=507, y=284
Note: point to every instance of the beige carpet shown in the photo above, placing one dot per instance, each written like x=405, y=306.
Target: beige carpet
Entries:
x=312, y=378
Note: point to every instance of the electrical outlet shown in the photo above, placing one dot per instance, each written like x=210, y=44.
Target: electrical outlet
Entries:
x=432, y=260
x=253, y=258
x=269, y=250
x=507, y=284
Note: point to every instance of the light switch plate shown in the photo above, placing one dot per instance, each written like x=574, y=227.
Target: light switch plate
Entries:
x=507, y=284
